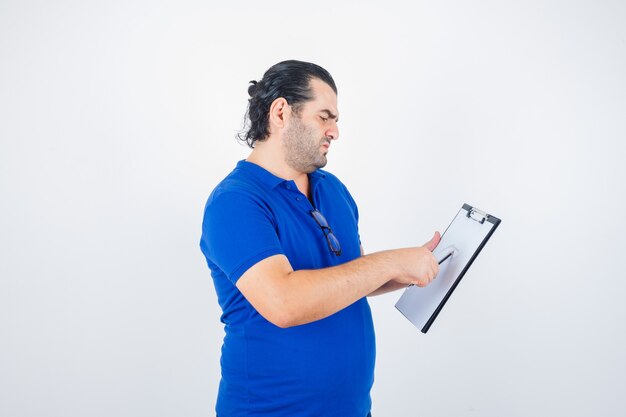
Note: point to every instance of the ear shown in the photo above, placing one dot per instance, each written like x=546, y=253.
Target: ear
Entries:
x=279, y=111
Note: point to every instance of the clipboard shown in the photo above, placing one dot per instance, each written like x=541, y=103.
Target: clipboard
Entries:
x=460, y=244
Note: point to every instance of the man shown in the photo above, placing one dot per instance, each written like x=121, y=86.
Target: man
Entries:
x=290, y=280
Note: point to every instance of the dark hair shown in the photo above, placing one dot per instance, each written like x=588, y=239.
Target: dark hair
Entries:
x=289, y=80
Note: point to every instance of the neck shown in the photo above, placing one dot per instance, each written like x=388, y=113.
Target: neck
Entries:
x=268, y=157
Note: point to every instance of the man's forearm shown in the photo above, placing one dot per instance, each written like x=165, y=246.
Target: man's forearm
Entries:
x=316, y=294
x=387, y=287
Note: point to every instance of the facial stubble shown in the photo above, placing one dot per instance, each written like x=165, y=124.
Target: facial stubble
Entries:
x=302, y=151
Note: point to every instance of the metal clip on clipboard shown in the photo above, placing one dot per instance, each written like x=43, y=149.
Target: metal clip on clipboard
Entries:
x=479, y=216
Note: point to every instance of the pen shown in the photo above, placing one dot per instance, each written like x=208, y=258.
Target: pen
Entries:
x=446, y=257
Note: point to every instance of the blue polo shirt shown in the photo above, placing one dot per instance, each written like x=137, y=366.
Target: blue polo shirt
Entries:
x=324, y=368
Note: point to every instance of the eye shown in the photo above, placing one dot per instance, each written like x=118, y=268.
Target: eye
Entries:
x=324, y=119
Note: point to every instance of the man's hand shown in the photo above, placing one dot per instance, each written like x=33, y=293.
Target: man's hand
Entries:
x=419, y=266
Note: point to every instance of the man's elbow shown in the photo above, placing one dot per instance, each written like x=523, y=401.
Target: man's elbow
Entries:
x=282, y=319
x=281, y=310
x=281, y=314
x=284, y=323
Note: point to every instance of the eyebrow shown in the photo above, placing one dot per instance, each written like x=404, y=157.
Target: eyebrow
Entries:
x=331, y=115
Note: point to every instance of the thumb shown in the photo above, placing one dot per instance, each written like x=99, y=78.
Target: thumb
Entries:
x=432, y=243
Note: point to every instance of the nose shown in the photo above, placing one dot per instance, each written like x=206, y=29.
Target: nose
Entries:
x=333, y=131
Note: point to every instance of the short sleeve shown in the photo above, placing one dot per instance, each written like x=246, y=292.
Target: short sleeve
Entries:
x=237, y=232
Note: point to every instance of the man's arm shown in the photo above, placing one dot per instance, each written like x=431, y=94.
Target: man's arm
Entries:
x=388, y=286
x=289, y=298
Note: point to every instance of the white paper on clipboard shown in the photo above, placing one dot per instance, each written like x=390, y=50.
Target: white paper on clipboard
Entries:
x=464, y=239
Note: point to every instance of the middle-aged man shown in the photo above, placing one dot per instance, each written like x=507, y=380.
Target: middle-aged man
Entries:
x=292, y=282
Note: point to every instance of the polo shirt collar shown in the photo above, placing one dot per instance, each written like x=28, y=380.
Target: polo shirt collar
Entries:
x=318, y=175
x=260, y=173
x=268, y=178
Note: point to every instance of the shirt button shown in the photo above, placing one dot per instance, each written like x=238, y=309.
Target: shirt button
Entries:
x=298, y=198
x=288, y=186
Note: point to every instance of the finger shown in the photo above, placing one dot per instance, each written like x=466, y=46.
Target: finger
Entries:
x=432, y=243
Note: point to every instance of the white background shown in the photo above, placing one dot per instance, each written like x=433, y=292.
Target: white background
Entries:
x=118, y=118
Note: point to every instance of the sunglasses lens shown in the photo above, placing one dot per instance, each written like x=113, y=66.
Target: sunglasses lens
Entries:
x=334, y=243
x=320, y=218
